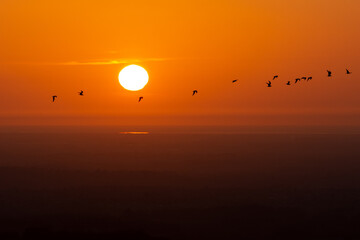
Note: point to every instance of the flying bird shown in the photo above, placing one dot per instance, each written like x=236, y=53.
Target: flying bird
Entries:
x=81, y=93
x=309, y=78
x=348, y=72
x=268, y=84
x=234, y=81
x=288, y=83
x=329, y=73
x=276, y=76
x=54, y=97
x=303, y=78
x=140, y=98
x=195, y=92
x=297, y=80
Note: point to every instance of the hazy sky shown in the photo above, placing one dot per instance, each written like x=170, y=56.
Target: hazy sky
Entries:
x=60, y=47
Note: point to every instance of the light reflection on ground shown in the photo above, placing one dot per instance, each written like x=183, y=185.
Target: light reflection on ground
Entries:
x=135, y=133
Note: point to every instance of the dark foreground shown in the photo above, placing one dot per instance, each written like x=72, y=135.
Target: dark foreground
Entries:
x=104, y=185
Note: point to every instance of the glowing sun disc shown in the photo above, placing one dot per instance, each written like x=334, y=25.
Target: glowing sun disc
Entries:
x=133, y=77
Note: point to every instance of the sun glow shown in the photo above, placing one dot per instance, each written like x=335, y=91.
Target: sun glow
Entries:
x=133, y=77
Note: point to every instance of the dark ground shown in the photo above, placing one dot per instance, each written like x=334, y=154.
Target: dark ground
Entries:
x=64, y=184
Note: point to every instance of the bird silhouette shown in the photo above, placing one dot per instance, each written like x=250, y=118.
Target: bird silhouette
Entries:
x=288, y=83
x=303, y=78
x=140, y=98
x=348, y=72
x=195, y=92
x=54, y=97
x=268, y=84
x=297, y=80
x=234, y=81
x=329, y=73
x=276, y=76
x=81, y=93
x=309, y=78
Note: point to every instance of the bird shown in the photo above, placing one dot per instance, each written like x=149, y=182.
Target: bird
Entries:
x=54, y=97
x=309, y=78
x=81, y=93
x=276, y=76
x=297, y=80
x=195, y=92
x=329, y=73
x=288, y=83
x=234, y=81
x=268, y=84
x=303, y=78
x=140, y=98
x=348, y=72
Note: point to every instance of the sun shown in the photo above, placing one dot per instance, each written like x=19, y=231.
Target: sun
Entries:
x=133, y=77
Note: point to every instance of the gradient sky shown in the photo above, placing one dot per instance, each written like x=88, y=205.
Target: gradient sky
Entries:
x=59, y=47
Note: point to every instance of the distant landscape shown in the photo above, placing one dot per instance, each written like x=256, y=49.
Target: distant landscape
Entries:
x=98, y=184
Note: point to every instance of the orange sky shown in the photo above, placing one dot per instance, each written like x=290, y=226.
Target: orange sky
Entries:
x=60, y=47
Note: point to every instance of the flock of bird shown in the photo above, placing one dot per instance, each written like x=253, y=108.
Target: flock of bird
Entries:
x=299, y=79
x=81, y=93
